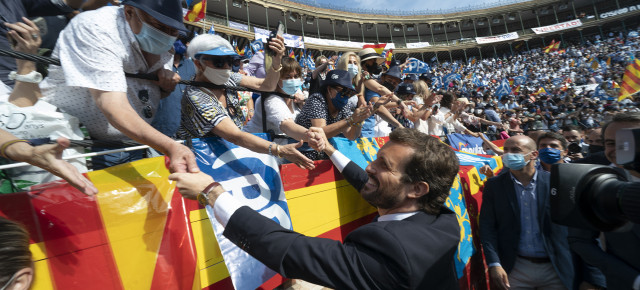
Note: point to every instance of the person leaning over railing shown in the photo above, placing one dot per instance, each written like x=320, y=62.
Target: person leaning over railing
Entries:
x=216, y=112
x=278, y=111
x=330, y=110
x=26, y=93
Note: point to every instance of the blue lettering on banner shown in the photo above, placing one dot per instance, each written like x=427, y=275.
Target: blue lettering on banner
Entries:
x=254, y=180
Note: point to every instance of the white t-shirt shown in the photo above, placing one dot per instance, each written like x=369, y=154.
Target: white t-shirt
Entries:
x=277, y=112
x=96, y=49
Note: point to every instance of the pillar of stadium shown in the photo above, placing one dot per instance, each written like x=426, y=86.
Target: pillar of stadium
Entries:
x=504, y=20
x=526, y=42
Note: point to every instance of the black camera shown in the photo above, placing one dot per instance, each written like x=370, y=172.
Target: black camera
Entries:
x=598, y=197
x=574, y=148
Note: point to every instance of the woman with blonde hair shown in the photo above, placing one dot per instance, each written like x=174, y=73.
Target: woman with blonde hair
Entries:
x=350, y=62
x=425, y=99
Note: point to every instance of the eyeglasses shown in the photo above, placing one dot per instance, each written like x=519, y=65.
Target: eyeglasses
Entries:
x=222, y=61
x=143, y=95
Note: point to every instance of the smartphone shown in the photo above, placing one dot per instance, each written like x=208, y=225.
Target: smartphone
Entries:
x=42, y=25
x=274, y=33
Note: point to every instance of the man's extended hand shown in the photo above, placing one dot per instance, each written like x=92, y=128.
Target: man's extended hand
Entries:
x=191, y=184
x=316, y=140
x=499, y=277
x=319, y=133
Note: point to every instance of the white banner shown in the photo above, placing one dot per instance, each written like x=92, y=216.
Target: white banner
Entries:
x=418, y=44
x=620, y=11
x=290, y=40
x=237, y=25
x=557, y=27
x=331, y=42
x=497, y=38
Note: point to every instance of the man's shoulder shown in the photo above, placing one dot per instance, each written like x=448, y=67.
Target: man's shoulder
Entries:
x=105, y=17
x=444, y=223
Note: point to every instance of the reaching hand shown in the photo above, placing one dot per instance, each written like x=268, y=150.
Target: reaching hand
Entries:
x=319, y=133
x=317, y=138
x=191, y=184
x=291, y=153
x=362, y=113
x=182, y=159
x=49, y=158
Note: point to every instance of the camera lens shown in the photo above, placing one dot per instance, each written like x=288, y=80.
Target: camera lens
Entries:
x=574, y=148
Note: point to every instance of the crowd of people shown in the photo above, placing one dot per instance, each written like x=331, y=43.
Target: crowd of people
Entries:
x=551, y=107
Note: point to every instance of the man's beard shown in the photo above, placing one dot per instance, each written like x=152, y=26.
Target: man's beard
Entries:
x=383, y=198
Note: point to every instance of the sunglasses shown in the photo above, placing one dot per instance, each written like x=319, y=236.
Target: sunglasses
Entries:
x=222, y=61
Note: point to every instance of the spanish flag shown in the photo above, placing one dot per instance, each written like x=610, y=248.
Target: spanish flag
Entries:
x=379, y=48
x=197, y=9
x=549, y=48
x=630, y=81
x=291, y=54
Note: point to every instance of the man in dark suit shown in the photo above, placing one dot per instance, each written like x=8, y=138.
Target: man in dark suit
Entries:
x=619, y=256
x=523, y=248
x=410, y=246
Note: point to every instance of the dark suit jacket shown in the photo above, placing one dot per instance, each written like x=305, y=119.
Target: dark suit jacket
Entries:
x=414, y=253
x=500, y=226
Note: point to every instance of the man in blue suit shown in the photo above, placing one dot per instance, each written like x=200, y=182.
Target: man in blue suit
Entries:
x=523, y=248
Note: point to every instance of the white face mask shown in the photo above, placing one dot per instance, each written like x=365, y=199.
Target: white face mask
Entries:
x=218, y=76
x=352, y=69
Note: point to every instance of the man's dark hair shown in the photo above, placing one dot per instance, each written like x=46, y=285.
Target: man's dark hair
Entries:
x=624, y=117
x=432, y=162
x=447, y=100
x=555, y=136
x=568, y=128
x=289, y=65
x=14, y=249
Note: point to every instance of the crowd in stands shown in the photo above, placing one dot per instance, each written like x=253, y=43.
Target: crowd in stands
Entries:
x=560, y=99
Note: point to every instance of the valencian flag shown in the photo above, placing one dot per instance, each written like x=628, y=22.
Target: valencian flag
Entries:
x=630, y=81
x=197, y=9
x=379, y=48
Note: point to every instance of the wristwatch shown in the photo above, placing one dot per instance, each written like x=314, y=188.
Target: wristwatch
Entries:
x=203, y=196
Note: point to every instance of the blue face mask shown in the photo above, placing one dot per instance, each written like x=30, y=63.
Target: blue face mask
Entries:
x=514, y=161
x=490, y=152
x=339, y=101
x=550, y=155
x=290, y=87
x=153, y=40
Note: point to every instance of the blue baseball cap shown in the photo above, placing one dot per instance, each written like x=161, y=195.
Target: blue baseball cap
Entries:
x=218, y=51
x=167, y=12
